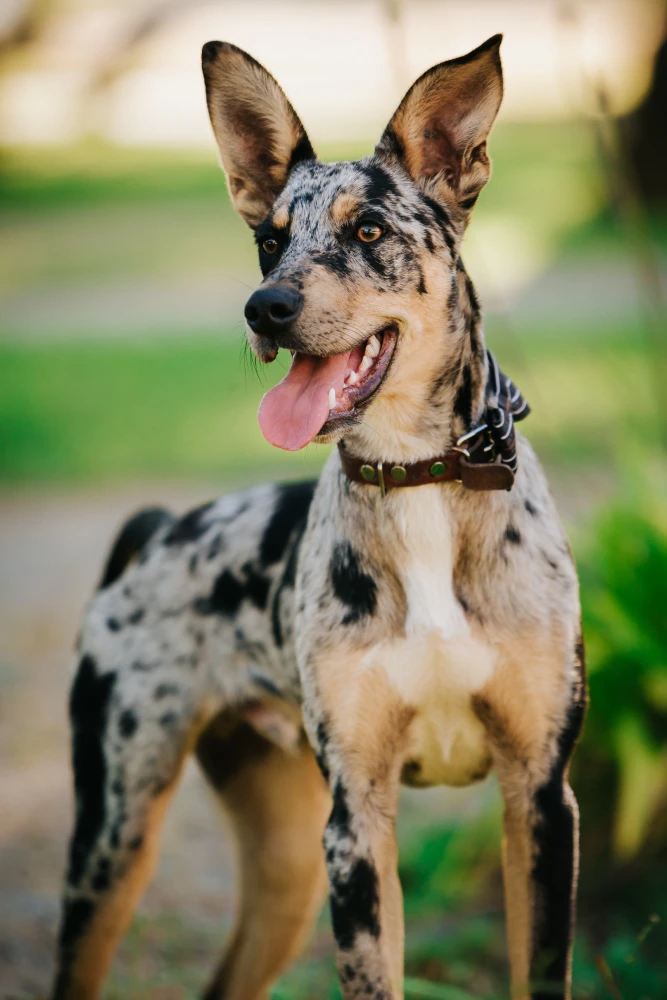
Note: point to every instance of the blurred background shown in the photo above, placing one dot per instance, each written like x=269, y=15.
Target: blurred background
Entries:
x=123, y=381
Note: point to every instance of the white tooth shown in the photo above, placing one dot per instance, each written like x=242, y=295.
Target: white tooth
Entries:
x=372, y=347
x=332, y=398
x=366, y=363
x=352, y=379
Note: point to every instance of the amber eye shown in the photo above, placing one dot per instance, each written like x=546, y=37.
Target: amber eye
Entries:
x=369, y=233
x=269, y=246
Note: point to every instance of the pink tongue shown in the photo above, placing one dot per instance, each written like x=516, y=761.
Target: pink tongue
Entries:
x=292, y=413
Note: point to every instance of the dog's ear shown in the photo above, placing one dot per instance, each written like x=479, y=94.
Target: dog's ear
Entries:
x=257, y=130
x=440, y=128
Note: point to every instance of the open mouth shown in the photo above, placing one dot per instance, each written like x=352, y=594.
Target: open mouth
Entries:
x=319, y=395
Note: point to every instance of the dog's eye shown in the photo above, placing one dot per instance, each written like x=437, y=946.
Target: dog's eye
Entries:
x=269, y=245
x=369, y=233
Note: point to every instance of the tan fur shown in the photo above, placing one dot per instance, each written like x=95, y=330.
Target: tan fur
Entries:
x=522, y=707
x=344, y=208
x=523, y=703
x=374, y=744
x=277, y=803
x=96, y=949
x=397, y=427
x=281, y=216
x=252, y=120
x=443, y=123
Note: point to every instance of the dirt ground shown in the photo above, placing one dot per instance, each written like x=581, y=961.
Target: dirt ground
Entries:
x=51, y=550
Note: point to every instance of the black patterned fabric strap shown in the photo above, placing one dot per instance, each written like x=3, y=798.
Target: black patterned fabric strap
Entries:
x=504, y=405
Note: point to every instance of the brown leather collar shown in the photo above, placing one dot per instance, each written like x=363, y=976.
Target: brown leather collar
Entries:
x=484, y=458
x=453, y=465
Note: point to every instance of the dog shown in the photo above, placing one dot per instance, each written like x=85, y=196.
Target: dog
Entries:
x=411, y=617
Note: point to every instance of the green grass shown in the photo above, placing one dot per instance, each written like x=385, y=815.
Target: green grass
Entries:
x=113, y=410
x=118, y=410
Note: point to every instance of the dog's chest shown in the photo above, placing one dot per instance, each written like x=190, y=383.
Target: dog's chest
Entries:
x=439, y=665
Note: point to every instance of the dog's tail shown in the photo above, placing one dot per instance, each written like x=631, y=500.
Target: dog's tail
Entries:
x=131, y=540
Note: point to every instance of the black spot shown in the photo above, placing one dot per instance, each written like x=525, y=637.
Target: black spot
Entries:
x=340, y=817
x=380, y=183
x=254, y=651
x=127, y=723
x=190, y=527
x=194, y=561
x=512, y=535
x=77, y=915
x=374, y=261
x=256, y=587
x=391, y=143
x=347, y=974
x=302, y=198
x=530, y=508
x=135, y=843
x=276, y=627
x=336, y=259
x=102, y=876
x=114, y=625
x=291, y=509
x=164, y=690
x=89, y=709
x=132, y=540
x=287, y=581
x=322, y=746
x=136, y=616
x=442, y=218
x=553, y=867
x=302, y=151
x=168, y=719
x=117, y=787
x=145, y=666
x=224, y=758
x=354, y=588
x=462, y=601
x=215, y=548
x=421, y=287
x=267, y=684
x=225, y=598
x=446, y=377
x=470, y=289
x=355, y=904
x=463, y=400
x=410, y=771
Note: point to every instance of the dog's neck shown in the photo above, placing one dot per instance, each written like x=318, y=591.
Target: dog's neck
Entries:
x=436, y=412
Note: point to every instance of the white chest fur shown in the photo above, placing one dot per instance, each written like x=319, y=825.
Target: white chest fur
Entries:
x=439, y=665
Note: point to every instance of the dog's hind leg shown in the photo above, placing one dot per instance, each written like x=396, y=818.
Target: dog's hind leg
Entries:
x=278, y=804
x=128, y=752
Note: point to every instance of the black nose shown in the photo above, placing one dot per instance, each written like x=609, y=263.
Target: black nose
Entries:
x=270, y=311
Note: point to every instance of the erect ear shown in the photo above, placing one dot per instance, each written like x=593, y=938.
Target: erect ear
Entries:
x=440, y=128
x=258, y=133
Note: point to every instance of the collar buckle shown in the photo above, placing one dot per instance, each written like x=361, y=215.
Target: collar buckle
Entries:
x=380, y=472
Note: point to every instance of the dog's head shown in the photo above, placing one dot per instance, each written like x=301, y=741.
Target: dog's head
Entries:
x=362, y=277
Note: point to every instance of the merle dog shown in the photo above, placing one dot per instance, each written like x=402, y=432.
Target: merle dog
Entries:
x=411, y=617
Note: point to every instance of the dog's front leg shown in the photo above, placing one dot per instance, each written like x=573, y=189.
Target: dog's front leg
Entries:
x=541, y=824
x=359, y=729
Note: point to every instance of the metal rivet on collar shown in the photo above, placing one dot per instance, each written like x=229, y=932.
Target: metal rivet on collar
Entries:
x=399, y=473
x=438, y=469
x=368, y=472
